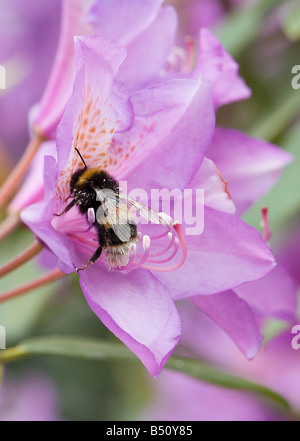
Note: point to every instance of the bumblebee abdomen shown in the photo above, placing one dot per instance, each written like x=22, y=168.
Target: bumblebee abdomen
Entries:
x=107, y=236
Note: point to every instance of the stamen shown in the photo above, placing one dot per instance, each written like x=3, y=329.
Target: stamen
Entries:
x=132, y=254
x=182, y=242
x=15, y=178
x=11, y=223
x=175, y=242
x=49, y=277
x=165, y=219
x=190, y=53
x=24, y=257
x=168, y=259
x=172, y=238
x=146, y=247
x=265, y=224
x=160, y=236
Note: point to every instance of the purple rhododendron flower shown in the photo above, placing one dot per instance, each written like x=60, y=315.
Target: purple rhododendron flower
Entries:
x=154, y=138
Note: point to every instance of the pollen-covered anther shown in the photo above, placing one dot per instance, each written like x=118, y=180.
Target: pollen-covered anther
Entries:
x=165, y=219
x=132, y=254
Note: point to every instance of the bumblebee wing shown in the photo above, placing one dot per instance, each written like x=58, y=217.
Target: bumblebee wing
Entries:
x=113, y=212
x=146, y=212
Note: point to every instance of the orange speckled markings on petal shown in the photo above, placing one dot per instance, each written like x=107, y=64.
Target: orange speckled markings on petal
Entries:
x=119, y=153
x=92, y=136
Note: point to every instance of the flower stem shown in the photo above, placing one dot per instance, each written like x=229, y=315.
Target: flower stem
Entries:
x=9, y=225
x=49, y=277
x=12, y=354
x=16, y=176
x=26, y=255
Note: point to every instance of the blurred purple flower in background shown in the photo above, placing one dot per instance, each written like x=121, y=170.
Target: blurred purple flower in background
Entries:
x=28, y=38
x=31, y=398
x=178, y=397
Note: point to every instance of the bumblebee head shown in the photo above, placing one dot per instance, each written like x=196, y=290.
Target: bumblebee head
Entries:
x=75, y=179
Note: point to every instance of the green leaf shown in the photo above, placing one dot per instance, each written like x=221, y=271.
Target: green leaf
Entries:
x=209, y=374
x=283, y=200
x=291, y=21
x=242, y=25
x=1, y=373
x=88, y=349
x=278, y=118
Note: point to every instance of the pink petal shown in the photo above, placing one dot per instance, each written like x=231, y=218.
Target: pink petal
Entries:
x=210, y=180
x=172, y=130
x=235, y=317
x=99, y=106
x=123, y=20
x=60, y=82
x=147, y=54
x=288, y=250
x=196, y=14
x=215, y=63
x=251, y=166
x=137, y=309
x=274, y=295
x=228, y=253
x=38, y=218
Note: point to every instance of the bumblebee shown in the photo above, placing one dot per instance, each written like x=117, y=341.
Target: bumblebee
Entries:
x=95, y=191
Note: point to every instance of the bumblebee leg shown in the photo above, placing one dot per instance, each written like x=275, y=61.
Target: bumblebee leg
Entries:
x=68, y=207
x=93, y=259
